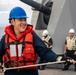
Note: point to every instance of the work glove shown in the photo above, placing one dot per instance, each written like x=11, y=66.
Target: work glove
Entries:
x=66, y=59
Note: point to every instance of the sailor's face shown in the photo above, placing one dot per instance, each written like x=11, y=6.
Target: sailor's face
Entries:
x=19, y=24
x=71, y=34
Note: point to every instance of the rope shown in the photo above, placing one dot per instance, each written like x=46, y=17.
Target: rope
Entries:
x=34, y=65
x=57, y=62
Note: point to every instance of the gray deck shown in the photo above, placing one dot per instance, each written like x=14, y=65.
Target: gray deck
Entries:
x=50, y=71
x=57, y=72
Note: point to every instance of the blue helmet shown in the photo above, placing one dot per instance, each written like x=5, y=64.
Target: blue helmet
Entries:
x=17, y=12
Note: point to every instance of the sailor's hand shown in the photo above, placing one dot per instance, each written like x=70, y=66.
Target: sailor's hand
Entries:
x=65, y=52
x=45, y=42
x=72, y=61
x=75, y=53
x=1, y=69
x=68, y=60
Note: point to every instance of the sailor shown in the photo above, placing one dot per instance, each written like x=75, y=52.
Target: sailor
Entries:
x=70, y=48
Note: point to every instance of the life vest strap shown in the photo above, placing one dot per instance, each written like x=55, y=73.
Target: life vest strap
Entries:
x=16, y=63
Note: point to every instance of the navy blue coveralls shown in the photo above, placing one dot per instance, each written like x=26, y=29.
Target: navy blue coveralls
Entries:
x=40, y=49
x=42, y=60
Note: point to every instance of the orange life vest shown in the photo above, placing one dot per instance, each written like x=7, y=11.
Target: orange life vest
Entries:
x=22, y=53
